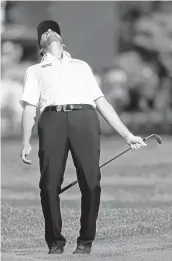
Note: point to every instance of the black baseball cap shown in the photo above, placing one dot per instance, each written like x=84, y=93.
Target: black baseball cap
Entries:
x=45, y=25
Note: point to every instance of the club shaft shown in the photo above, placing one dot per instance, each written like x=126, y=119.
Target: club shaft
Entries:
x=75, y=182
x=115, y=157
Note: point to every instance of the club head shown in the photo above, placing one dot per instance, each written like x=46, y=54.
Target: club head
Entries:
x=158, y=138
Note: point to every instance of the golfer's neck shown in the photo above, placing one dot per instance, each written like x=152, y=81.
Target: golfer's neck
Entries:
x=55, y=51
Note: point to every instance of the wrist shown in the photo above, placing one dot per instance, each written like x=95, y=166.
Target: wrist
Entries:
x=25, y=142
x=128, y=136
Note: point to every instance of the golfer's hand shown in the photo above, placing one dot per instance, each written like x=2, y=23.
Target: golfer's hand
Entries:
x=25, y=151
x=135, y=142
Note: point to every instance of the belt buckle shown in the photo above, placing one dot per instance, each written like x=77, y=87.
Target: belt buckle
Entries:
x=64, y=108
x=58, y=108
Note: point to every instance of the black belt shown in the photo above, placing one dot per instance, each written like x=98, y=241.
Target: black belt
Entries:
x=68, y=107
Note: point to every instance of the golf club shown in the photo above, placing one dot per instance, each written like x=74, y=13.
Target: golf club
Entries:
x=157, y=138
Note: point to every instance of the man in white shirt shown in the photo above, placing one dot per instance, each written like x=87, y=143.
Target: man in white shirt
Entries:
x=67, y=93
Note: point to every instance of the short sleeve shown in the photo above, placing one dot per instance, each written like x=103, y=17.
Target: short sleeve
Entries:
x=93, y=85
x=31, y=90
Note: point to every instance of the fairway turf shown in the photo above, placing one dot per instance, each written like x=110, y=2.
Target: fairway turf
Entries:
x=135, y=218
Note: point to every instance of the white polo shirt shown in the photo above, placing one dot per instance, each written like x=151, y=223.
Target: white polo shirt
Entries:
x=59, y=82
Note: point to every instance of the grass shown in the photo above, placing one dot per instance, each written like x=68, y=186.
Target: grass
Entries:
x=135, y=218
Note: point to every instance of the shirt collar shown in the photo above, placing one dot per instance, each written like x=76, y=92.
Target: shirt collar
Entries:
x=49, y=57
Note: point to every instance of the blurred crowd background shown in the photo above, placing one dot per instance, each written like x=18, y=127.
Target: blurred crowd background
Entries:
x=128, y=45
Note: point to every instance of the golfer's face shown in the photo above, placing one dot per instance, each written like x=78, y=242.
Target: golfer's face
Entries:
x=48, y=37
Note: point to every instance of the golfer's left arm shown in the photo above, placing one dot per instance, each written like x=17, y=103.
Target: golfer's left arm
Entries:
x=110, y=115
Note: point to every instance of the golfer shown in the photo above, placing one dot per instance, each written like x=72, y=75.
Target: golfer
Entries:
x=67, y=94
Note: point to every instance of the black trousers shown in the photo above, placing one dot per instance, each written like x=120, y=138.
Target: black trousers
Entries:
x=79, y=132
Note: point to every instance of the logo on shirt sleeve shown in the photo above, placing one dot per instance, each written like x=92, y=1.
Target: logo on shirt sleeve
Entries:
x=45, y=65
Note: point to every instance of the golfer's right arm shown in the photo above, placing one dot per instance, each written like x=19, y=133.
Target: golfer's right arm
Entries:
x=28, y=122
x=29, y=101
